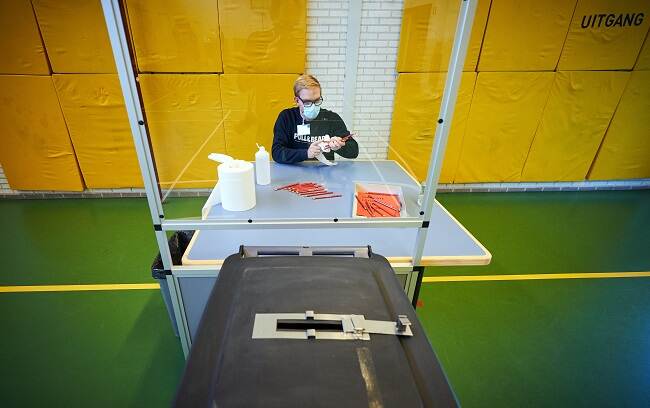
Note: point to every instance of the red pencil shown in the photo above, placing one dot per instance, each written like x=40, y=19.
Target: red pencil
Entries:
x=384, y=204
x=330, y=196
x=286, y=187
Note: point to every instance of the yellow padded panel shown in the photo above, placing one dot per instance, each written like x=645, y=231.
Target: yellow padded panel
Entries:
x=417, y=103
x=186, y=125
x=579, y=109
x=75, y=36
x=605, y=34
x=99, y=128
x=625, y=152
x=263, y=36
x=427, y=35
x=643, y=62
x=525, y=35
x=20, y=42
x=35, y=150
x=506, y=108
x=175, y=35
x=251, y=104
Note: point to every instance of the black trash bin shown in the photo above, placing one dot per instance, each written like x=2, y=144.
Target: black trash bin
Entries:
x=309, y=327
x=178, y=242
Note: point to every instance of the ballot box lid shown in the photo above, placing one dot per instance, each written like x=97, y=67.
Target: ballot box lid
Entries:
x=227, y=367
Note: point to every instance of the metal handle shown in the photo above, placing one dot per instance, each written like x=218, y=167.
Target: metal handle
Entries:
x=255, y=251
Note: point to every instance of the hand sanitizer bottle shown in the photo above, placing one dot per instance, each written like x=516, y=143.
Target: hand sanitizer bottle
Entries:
x=262, y=166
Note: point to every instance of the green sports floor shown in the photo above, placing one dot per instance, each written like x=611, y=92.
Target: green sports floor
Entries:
x=513, y=343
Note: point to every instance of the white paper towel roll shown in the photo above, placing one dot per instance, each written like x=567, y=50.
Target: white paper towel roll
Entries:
x=235, y=189
x=237, y=185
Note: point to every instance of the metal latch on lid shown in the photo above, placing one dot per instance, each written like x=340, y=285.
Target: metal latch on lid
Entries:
x=310, y=325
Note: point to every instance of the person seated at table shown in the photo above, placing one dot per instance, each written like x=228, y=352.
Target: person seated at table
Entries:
x=299, y=131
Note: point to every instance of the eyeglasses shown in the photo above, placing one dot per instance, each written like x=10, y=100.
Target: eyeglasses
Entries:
x=307, y=104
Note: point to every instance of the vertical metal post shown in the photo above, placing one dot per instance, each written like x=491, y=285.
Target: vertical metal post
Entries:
x=352, y=62
x=117, y=36
x=452, y=85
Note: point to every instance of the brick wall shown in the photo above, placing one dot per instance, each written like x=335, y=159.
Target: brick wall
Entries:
x=326, y=43
x=376, y=74
x=4, y=184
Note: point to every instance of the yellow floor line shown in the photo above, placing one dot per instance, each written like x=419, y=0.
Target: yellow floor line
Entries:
x=539, y=276
x=427, y=279
x=77, y=288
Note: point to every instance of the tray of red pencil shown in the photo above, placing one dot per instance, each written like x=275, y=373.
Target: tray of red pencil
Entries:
x=377, y=200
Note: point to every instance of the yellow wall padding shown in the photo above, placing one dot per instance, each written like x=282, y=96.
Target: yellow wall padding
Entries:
x=605, y=34
x=185, y=124
x=579, y=109
x=625, y=152
x=35, y=150
x=75, y=36
x=525, y=35
x=428, y=29
x=175, y=35
x=263, y=36
x=99, y=128
x=506, y=108
x=417, y=103
x=252, y=104
x=20, y=42
x=643, y=62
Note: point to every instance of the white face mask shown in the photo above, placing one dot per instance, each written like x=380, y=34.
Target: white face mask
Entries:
x=311, y=112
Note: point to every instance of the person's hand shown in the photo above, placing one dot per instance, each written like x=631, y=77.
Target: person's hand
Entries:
x=313, y=150
x=336, y=143
x=352, y=135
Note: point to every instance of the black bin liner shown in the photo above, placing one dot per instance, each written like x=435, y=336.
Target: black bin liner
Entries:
x=178, y=243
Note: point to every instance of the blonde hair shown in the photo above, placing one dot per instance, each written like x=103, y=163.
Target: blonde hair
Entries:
x=303, y=82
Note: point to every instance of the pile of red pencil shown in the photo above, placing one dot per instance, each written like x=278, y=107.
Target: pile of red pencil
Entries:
x=371, y=204
x=313, y=190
